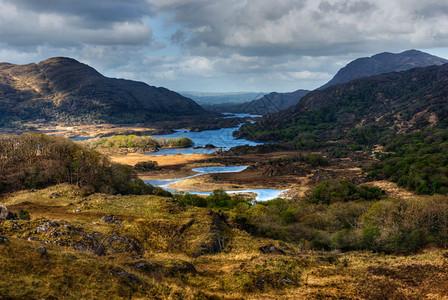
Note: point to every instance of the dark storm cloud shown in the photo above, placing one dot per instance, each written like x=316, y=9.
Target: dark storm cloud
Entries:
x=326, y=27
x=26, y=23
x=236, y=44
x=90, y=11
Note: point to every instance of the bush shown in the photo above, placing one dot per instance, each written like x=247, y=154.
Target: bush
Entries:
x=23, y=215
x=35, y=160
x=145, y=166
x=195, y=200
x=218, y=198
x=327, y=193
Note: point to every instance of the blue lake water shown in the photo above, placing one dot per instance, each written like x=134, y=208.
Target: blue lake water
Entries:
x=221, y=138
x=262, y=194
x=232, y=115
x=80, y=138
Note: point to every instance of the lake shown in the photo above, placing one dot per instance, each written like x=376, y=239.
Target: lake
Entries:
x=221, y=138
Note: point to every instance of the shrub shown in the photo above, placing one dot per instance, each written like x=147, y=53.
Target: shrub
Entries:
x=34, y=160
x=218, y=198
x=23, y=215
x=145, y=166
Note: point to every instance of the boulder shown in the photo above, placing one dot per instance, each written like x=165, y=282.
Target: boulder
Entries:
x=271, y=249
x=110, y=219
x=43, y=252
x=3, y=212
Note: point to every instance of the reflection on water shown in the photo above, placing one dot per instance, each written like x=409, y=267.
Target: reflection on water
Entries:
x=262, y=194
x=80, y=138
x=221, y=138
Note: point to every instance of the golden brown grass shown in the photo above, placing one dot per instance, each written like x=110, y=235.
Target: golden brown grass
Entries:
x=240, y=271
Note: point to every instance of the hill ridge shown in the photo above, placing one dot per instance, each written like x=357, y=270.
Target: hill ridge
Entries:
x=66, y=90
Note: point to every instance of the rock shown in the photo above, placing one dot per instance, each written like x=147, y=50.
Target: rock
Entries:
x=215, y=241
x=186, y=226
x=33, y=238
x=119, y=244
x=100, y=249
x=3, y=240
x=176, y=267
x=11, y=216
x=130, y=279
x=43, y=252
x=89, y=243
x=110, y=219
x=3, y=212
x=47, y=226
x=271, y=249
x=148, y=267
x=54, y=195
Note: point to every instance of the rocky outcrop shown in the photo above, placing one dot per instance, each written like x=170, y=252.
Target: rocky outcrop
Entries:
x=3, y=212
x=216, y=238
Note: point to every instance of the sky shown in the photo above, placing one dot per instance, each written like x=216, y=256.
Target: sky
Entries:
x=220, y=46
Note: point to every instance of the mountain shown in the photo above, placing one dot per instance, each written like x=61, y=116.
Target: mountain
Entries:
x=210, y=99
x=63, y=89
x=272, y=103
x=361, y=111
x=384, y=63
x=361, y=67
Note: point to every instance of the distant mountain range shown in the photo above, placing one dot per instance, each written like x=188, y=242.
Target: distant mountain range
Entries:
x=362, y=67
x=361, y=110
x=272, y=103
x=65, y=90
x=384, y=63
x=212, y=99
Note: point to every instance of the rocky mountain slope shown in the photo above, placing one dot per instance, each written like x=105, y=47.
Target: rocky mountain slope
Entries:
x=384, y=63
x=65, y=90
x=361, y=109
x=362, y=67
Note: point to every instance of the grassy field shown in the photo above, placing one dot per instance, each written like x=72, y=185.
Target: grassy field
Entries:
x=155, y=247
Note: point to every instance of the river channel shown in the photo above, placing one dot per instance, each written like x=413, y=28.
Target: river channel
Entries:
x=223, y=139
x=262, y=194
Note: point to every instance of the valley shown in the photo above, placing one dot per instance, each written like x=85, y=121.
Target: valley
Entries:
x=340, y=194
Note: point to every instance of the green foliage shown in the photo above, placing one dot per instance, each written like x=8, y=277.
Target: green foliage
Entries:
x=217, y=199
x=327, y=193
x=417, y=161
x=360, y=113
x=351, y=223
x=34, y=160
x=145, y=143
x=23, y=215
x=195, y=200
x=182, y=142
x=145, y=166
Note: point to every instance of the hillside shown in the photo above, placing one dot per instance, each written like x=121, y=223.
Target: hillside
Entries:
x=362, y=67
x=272, y=103
x=383, y=63
x=361, y=110
x=65, y=90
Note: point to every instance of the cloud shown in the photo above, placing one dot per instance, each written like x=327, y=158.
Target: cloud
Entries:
x=300, y=27
x=260, y=45
x=27, y=23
